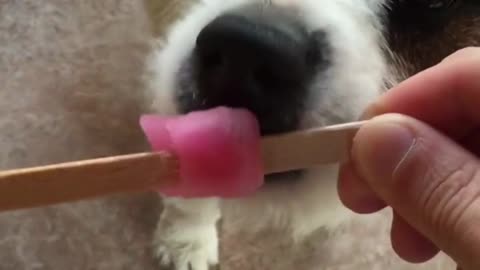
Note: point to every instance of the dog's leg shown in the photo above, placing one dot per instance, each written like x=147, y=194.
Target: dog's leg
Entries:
x=186, y=235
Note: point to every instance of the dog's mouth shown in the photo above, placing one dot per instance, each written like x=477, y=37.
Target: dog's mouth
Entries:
x=270, y=129
x=267, y=128
x=262, y=60
x=284, y=176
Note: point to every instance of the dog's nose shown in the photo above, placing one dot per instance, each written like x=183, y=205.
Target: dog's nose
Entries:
x=261, y=63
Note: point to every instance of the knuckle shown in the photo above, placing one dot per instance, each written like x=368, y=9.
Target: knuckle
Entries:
x=452, y=190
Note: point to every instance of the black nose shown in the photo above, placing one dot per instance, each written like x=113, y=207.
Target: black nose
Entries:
x=262, y=63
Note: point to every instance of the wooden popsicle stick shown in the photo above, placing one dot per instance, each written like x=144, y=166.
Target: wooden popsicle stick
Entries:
x=307, y=148
x=73, y=181
x=80, y=180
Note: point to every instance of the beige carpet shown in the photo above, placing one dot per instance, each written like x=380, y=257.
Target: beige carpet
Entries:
x=64, y=64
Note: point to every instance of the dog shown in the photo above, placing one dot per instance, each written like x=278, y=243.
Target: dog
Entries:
x=295, y=64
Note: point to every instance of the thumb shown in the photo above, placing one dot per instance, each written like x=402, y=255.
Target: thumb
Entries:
x=430, y=182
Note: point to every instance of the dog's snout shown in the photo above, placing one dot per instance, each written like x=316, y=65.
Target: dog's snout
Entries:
x=258, y=61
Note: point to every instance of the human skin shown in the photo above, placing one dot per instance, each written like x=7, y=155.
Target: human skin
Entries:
x=418, y=154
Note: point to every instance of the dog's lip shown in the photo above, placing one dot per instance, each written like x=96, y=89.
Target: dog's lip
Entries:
x=289, y=175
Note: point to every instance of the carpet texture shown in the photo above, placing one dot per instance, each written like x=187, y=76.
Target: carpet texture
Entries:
x=70, y=78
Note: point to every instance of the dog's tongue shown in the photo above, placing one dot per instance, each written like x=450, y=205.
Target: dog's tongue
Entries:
x=218, y=151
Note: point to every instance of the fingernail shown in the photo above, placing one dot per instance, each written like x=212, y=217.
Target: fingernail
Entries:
x=380, y=146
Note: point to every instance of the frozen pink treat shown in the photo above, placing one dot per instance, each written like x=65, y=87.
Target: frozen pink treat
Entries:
x=218, y=151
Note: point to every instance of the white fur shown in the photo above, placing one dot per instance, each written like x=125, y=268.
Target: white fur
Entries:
x=356, y=76
x=186, y=234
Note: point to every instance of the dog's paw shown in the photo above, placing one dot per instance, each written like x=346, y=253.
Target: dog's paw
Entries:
x=187, y=250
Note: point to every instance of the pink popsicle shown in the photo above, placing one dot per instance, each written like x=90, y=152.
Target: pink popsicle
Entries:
x=218, y=151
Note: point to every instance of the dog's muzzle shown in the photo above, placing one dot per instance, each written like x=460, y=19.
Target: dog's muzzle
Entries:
x=261, y=59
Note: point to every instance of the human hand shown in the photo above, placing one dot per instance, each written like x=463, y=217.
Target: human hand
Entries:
x=420, y=157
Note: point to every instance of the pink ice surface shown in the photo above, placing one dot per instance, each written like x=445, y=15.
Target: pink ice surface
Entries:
x=218, y=151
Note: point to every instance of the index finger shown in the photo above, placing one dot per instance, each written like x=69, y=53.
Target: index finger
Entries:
x=446, y=96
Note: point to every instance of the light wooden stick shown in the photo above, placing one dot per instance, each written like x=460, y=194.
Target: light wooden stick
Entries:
x=80, y=180
x=307, y=148
x=73, y=181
